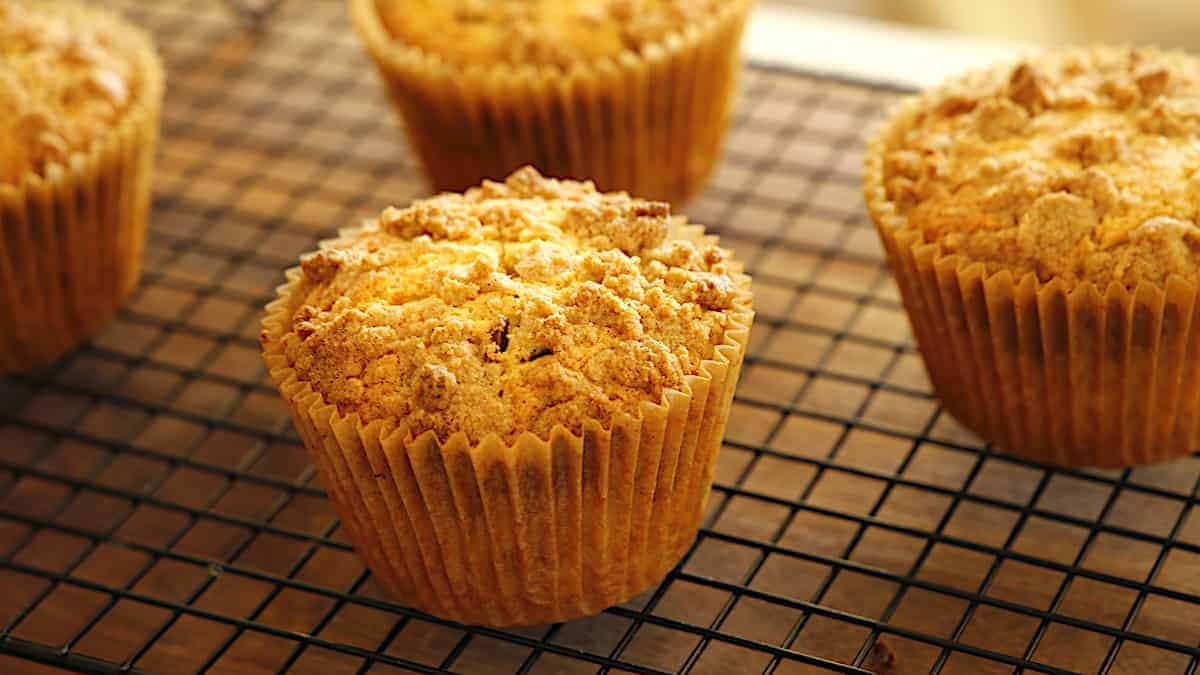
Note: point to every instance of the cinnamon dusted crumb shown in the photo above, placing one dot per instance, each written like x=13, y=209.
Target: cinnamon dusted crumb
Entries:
x=1000, y=118
x=550, y=32
x=1029, y=88
x=435, y=387
x=1151, y=79
x=514, y=307
x=881, y=660
x=320, y=266
x=1088, y=146
x=1054, y=166
x=63, y=83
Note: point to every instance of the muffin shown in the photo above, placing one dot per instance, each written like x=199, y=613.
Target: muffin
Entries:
x=515, y=396
x=633, y=94
x=1041, y=222
x=80, y=93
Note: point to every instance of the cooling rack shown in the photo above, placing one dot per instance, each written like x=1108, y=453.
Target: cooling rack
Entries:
x=158, y=515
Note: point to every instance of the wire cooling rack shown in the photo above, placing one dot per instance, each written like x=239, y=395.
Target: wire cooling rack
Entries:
x=157, y=513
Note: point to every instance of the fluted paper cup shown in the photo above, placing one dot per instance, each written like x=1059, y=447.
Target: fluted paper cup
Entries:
x=534, y=531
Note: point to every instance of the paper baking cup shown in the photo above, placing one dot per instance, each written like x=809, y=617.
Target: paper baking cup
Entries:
x=1064, y=374
x=539, y=531
x=71, y=240
x=648, y=123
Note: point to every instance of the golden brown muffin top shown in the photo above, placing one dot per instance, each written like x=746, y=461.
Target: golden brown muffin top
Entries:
x=515, y=307
x=1081, y=165
x=551, y=32
x=63, y=83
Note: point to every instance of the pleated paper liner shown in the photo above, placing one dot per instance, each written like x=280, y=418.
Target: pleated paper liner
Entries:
x=71, y=240
x=649, y=123
x=539, y=531
x=1071, y=375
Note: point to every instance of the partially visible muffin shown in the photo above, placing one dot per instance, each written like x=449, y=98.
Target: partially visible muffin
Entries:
x=80, y=92
x=1042, y=220
x=62, y=87
x=531, y=332
x=634, y=94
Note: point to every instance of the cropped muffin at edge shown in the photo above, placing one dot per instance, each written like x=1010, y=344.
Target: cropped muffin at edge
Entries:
x=80, y=92
x=633, y=94
x=547, y=366
x=1041, y=220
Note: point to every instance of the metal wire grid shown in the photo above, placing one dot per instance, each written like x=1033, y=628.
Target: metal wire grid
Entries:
x=157, y=513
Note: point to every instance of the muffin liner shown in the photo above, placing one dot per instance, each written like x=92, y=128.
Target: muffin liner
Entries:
x=648, y=123
x=537, y=531
x=1066, y=374
x=71, y=240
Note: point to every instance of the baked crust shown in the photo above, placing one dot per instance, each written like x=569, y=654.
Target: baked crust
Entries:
x=543, y=32
x=65, y=81
x=1081, y=165
x=517, y=306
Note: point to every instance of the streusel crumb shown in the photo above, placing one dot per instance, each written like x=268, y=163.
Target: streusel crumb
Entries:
x=557, y=32
x=515, y=307
x=63, y=83
x=1083, y=165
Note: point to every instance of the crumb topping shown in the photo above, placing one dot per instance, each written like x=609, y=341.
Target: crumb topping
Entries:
x=558, y=32
x=1081, y=165
x=515, y=307
x=63, y=83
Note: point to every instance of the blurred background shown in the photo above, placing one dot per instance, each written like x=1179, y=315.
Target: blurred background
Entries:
x=916, y=43
x=1171, y=23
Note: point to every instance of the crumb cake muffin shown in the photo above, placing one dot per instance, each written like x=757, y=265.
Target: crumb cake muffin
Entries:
x=633, y=94
x=515, y=395
x=1042, y=220
x=80, y=93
